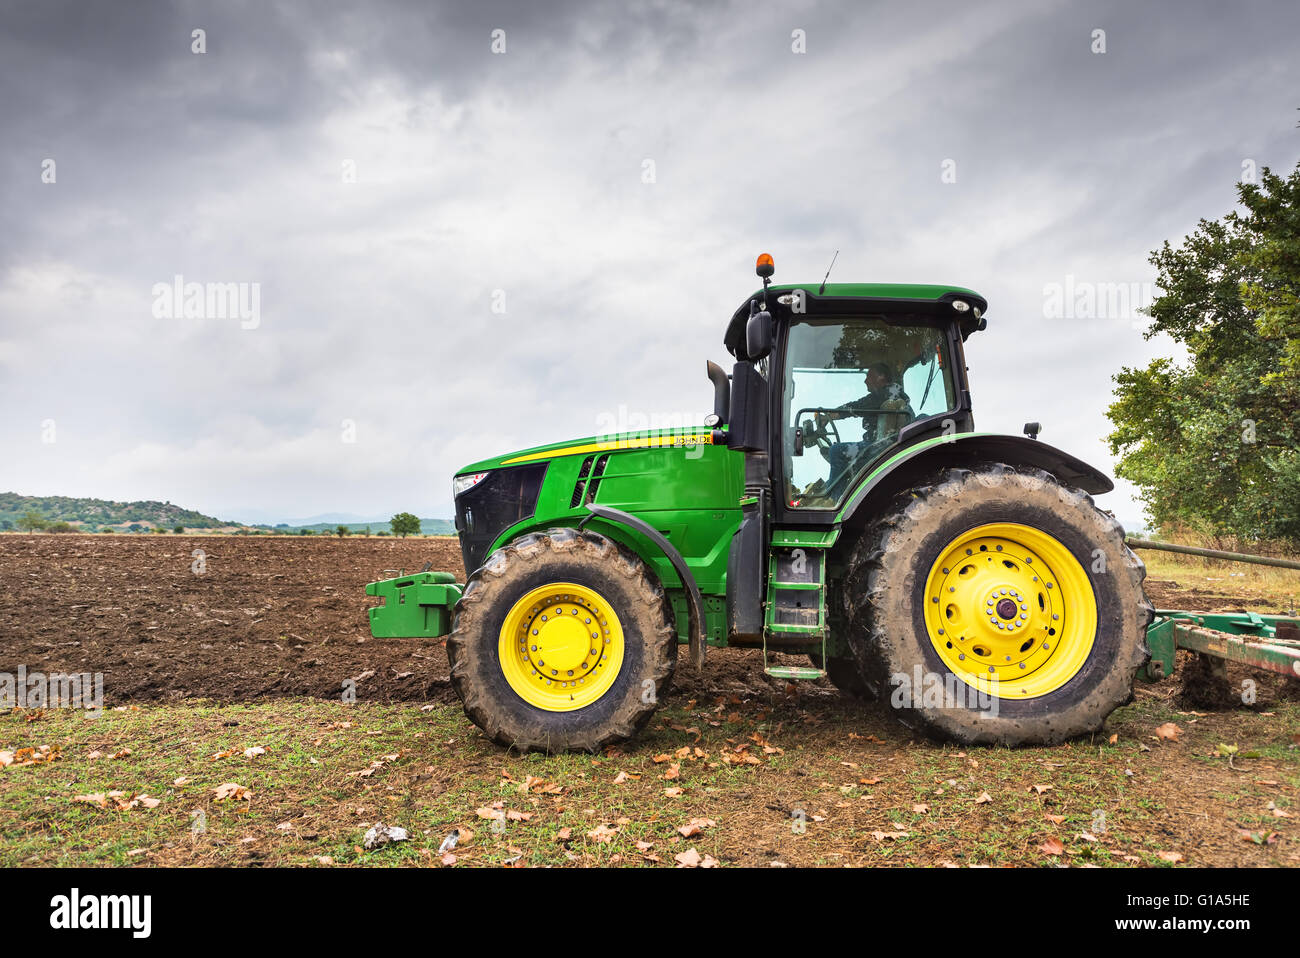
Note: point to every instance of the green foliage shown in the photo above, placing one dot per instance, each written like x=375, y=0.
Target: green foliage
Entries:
x=341, y=531
x=30, y=521
x=405, y=524
x=1213, y=445
x=59, y=527
x=179, y=530
x=99, y=512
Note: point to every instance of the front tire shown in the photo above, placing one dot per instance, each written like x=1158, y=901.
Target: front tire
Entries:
x=561, y=642
x=1009, y=597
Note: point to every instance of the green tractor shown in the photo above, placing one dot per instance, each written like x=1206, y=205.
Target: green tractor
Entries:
x=837, y=504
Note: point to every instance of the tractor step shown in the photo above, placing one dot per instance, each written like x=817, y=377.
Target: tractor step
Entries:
x=795, y=672
x=796, y=601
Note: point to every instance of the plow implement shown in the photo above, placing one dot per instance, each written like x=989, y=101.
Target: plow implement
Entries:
x=1269, y=642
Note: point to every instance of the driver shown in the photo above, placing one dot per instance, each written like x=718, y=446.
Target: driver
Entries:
x=883, y=395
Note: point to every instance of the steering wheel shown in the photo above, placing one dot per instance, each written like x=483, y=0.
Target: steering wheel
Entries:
x=824, y=435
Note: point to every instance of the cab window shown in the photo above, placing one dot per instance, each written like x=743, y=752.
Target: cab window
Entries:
x=850, y=387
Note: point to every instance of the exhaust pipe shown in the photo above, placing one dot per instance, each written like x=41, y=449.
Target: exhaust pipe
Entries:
x=721, y=393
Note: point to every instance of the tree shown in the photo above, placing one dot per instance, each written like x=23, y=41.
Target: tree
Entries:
x=179, y=530
x=404, y=524
x=342, y=531
x=30, y=521
x=1214, y=445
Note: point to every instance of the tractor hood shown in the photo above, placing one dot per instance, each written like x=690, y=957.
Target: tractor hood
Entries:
x=678, y=476
x=680, y=437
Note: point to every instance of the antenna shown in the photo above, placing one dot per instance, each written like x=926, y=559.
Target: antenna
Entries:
x=828, y=272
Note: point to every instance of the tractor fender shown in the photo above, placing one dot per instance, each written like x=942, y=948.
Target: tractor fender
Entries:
x=694, y=602
x=963, y=450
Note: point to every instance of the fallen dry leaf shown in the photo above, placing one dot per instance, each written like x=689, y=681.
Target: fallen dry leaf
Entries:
x=541, y=786
x=1039, y=789
x=984, y=798
x=688, y=859
x=1168, y=732
x=695, y=826
x=1171, y=857
x=602, y=834
x=231, y=790
x=1052, y=846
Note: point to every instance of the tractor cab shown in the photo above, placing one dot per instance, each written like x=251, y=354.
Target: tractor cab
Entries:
x=832, y=380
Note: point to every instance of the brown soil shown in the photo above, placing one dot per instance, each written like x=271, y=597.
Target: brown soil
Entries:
x=274, y=616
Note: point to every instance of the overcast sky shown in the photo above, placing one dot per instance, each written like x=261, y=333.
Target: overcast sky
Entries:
x=386, y=179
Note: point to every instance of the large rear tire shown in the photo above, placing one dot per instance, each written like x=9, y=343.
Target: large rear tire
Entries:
x=998, y=606
x=561, y=642
x=843, y=674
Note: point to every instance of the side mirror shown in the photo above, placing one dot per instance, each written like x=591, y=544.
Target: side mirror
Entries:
x=758, y=332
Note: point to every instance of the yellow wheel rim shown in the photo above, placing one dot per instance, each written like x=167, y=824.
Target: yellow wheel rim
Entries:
x=561, y=647
x=1010, y=611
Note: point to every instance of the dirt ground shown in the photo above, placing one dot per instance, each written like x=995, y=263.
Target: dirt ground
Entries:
x=262, y=619
x=276, y=616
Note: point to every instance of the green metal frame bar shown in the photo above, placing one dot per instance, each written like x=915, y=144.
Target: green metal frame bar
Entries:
x=1245, y=637
x=1133, y=543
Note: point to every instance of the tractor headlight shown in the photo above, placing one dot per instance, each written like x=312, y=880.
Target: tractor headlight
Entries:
x=461, y=483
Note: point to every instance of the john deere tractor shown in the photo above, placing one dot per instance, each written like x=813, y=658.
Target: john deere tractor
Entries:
x=837, y=504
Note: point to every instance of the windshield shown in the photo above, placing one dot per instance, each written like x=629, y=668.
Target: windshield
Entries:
x=850, y=387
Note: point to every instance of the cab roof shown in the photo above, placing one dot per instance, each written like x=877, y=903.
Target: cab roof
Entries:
x=931, y=304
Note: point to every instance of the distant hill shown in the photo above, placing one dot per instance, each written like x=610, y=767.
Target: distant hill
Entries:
x=95, y=513
x=428, y=527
